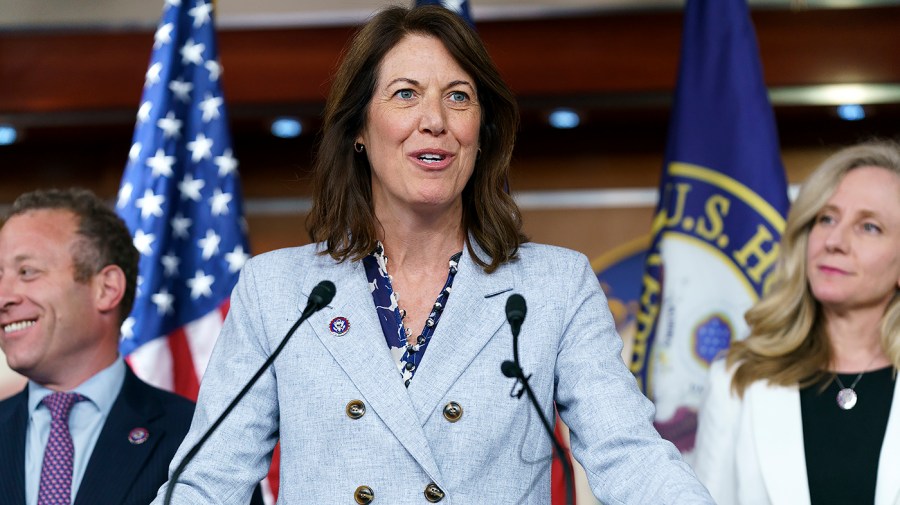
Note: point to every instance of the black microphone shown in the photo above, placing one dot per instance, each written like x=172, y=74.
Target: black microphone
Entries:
x=320, y=296
x=515, y=315
x=515, y=312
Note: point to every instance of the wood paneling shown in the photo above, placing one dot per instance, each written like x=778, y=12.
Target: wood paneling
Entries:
x=75, y=94
x=575, y=56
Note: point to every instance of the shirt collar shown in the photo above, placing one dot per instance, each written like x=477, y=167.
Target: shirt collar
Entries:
x=101, y=389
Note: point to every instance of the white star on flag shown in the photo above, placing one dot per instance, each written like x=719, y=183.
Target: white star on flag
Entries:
x=135, y=153
x=215, y=70
x=192, y=53
x=453, y=5
x=173, y=3
x=161, y=164
x=124, y=194
x=163, y=35
x=144, y=112
x=209, y=244
x=127, y=329
x=236, y=259
x=200, y=148
x=181, y=226
x=226, y=163
x=210, y=107
x=170, y=125
x=190, y=188
x=219, y=202
x=181, y=89
x=150, y=204
x=200, y=13
x=143, y=241
x=170, y=264
x=200, y=285
x=163, y=301
x=152, y=75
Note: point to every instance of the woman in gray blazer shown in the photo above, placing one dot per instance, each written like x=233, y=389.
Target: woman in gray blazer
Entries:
x=806, y=409
x=393, y=393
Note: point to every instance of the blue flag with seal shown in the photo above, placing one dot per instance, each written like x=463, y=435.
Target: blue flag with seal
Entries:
x=722, y=202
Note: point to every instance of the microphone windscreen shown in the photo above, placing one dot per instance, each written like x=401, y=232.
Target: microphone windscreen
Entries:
x=509, y=369
x=515, y=308
x=322, y=294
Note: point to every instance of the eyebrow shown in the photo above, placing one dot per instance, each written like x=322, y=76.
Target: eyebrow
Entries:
x=862, y=213
x=417, y=83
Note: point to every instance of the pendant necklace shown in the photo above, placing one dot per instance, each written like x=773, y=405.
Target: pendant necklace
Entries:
x=846, y=397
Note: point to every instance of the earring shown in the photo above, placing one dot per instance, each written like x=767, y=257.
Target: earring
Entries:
x=358, y=147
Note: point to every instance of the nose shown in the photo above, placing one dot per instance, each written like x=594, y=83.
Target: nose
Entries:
x=8, y=297
x=433, y=120
x=837, y=239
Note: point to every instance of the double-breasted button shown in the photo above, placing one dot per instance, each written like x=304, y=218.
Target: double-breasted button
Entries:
x=364, y=495
x=452, y=412
x=356, y=409
x=433, y=493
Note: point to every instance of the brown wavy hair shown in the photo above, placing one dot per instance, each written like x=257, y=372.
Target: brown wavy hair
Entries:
x=787, y=343
x=342, y=214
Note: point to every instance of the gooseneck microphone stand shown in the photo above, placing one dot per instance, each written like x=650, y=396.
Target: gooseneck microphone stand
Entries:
x=515, y=315
x=320, y=296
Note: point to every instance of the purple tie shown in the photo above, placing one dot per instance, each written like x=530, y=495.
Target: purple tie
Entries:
x=56, y=470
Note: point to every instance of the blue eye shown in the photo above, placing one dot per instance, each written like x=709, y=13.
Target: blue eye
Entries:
x=458, y=96
x=871, y=227
x=405, y=94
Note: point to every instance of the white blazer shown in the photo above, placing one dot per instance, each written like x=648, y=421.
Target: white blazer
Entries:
x=751, y=451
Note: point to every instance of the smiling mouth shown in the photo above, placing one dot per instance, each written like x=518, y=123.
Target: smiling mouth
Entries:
x=18, y=325
x=431, y=158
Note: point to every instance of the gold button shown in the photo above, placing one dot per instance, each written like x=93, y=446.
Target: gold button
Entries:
x=433, y=493
x=452, y=412
x=363, y=495
x=356, y=409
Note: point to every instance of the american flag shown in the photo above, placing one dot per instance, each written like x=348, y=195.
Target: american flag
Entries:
x=180, y=196
x=460, y=7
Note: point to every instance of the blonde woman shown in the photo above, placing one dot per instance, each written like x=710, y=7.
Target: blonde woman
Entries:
x=806, y=409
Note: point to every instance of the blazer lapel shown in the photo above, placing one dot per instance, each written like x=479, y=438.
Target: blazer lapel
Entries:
x=364, y=356
x=475, y=312
x=13, y=419
x=887, y=487
x=116, y=462
x=778, y=430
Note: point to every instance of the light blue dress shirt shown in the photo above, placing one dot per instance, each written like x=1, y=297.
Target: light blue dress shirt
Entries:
x=86, y=420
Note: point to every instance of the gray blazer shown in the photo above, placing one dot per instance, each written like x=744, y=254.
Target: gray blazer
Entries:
x=496, y=452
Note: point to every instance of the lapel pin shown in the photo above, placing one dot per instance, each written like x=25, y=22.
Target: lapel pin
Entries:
x=138, y=436
x=339, y=326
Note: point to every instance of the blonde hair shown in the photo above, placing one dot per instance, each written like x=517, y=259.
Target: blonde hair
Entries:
x=787, y=343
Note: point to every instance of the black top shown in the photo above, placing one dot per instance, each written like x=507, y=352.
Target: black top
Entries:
x=843, y=446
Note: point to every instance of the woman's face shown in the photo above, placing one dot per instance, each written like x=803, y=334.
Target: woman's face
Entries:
x=421, y=131
x=853, y=258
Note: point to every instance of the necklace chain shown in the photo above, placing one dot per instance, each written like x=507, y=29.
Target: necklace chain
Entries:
x=858, y=377
x=853, y=385
x=846, y=397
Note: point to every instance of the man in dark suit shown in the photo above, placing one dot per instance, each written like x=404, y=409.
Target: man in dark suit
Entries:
x=85, y=430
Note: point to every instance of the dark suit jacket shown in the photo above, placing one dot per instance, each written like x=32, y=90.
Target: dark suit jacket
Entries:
x=118, y=472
